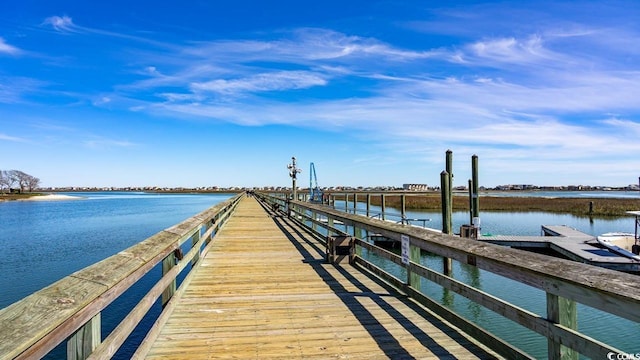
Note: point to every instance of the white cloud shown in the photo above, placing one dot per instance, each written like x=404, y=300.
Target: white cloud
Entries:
x=61, y=23
x=8, y=49
x=275, y=81
x=512, y=50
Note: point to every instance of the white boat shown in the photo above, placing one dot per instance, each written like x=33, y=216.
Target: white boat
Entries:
x=618, y=243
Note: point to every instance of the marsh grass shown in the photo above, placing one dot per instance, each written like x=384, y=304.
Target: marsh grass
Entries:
x=575, y=206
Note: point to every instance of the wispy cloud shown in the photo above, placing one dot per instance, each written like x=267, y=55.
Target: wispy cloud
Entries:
x=5, y=137
x=61, y=23
x=8, y=49
x=103, y=143
x=13, y=89
x=311, y=44
x=275, y=81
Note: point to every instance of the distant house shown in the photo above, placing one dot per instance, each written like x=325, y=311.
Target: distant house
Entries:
x=415, y=187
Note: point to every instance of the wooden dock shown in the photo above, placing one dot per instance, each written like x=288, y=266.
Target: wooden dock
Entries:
x=265, y=291
x=569, y=243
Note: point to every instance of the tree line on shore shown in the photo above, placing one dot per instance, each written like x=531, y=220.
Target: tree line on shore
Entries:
x=17, y=181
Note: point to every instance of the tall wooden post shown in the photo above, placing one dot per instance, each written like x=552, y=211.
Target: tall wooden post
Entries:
x=446, y=203
x=449, y=170
x=382, y=206
x=403, y=207
x=474, y=179
x=470, y=202
x=445, y=187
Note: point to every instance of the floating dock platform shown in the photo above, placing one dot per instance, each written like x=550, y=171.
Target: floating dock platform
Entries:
x=569, y=243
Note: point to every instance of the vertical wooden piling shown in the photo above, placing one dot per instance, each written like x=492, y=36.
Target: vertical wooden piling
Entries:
x=368, y=205
x=446, y=209
x=474, y=179
x=445, y=187
x=449, y=170
x=403, y=207
x=470, y=202
x=382, y=206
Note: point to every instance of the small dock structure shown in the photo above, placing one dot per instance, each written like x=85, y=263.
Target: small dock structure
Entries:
x=568, y=243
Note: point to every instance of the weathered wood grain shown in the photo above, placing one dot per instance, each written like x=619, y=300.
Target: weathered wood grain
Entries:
x=264, y=291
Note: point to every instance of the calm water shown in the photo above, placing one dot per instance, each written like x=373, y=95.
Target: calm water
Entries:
x=45, y=241
x=620, y=333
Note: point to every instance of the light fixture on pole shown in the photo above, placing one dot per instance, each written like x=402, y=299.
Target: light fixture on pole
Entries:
x=293, y=173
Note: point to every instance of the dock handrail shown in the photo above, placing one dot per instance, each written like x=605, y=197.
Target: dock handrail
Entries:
x=71, y=307
x=565, y=282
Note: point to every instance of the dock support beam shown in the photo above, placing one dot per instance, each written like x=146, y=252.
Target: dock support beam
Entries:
x=382, y=206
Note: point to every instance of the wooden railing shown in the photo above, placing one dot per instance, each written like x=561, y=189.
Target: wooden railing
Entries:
x=564, y=282
x=71, y=308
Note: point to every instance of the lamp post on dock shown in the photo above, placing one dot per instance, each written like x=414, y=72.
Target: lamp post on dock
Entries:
x=293, y=173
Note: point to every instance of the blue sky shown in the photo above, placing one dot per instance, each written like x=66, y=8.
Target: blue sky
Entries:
x=203, y=93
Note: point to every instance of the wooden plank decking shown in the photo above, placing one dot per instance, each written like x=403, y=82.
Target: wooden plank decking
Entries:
x=264, y=291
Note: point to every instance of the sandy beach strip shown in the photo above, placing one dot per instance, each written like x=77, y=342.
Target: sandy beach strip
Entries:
x=52, y=197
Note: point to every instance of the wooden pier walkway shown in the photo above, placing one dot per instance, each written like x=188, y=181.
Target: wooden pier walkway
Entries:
x=265, y=291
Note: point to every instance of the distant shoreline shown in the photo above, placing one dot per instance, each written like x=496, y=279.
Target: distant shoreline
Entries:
x=38, y=197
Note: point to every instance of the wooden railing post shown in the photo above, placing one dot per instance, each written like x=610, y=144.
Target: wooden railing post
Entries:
x=314, y=216
x=382, y=206
x=414, y=255
x=194, y=240
x=168, y=263
x=410, y=254
x=355, y=203
x=81, y=344
x=561, y=311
